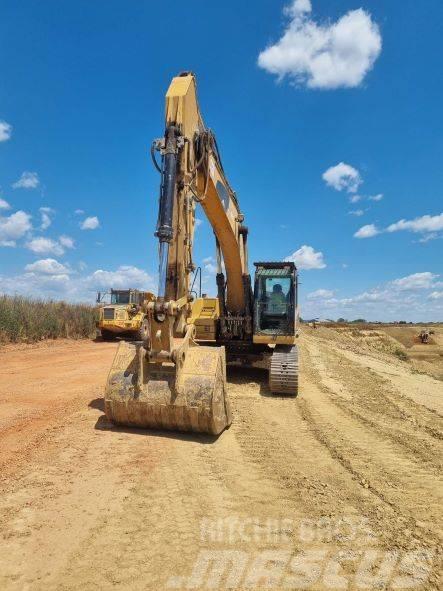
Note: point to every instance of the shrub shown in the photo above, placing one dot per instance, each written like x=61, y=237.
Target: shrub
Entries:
x=29, y=320
x=401, y=354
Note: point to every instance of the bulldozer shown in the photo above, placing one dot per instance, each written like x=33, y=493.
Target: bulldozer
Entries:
x=425, y=336
x=124, y=316
x=175, y=377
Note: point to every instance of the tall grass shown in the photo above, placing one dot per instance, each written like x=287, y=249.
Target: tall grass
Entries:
x=30, y=320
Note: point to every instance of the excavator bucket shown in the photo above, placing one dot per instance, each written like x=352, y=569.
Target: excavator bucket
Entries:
x=187, y=396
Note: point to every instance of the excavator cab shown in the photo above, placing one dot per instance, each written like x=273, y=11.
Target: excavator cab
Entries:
x=275, y=322
x=275, y=302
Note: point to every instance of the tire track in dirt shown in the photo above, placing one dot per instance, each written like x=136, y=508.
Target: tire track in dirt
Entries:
x=95, y=507
x=199, y=481
x=373, y=401
x=410, y=385
x=331, y=359
x=386, y=467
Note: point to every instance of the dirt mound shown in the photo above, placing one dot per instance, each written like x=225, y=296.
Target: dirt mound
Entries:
x=389, y=343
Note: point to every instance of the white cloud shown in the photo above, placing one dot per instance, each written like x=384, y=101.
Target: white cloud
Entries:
x=5, y=131
x=355, y=198
x=400, y=299
x=415, y=281
x=325, y=56
x=28, y=180
x=428, y=237
x=356, y=212
x=425, y=223
x=46, y=219
x=4, y=204
x=44, y=245
x=198, y=222
x=66, y=241
x=47, y=267
x=375, y=295
x=124, y=277
x=367, y=231
x=48, y=279
x=39, y=285
x=79, y=212
x=298, y=7
x=90, y=223
x=307, y=258
x=14, y=227
x=343, y=176
x=320, y=294
x=211, y=268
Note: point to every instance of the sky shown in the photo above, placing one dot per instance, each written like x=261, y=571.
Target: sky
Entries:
x=328, y=118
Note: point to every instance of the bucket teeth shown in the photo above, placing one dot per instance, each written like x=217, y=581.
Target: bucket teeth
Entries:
x=189, y=396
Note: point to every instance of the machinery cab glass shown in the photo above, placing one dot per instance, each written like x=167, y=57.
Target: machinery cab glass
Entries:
x=121, y=297
x=126, y=296
x=275, y=299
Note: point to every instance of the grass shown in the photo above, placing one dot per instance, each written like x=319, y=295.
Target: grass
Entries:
x=30, y=320
x=401, y=354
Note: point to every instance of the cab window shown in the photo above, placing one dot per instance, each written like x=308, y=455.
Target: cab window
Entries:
x=274, y=305
x=275, y=291
x=120, y=298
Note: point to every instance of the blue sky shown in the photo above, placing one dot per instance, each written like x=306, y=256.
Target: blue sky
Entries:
x=319, y=108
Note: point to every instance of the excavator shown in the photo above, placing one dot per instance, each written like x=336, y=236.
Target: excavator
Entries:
x=175, y=379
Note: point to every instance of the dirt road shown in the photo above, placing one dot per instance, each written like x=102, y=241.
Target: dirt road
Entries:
x=338, y=489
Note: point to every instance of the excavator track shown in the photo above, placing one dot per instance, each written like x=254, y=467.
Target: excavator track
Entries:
x=283, y=371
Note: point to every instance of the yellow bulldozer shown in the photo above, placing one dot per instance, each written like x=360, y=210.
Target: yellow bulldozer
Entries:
x=124, y=315
x=175, y=378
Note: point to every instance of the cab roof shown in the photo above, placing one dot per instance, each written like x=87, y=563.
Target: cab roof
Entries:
x=278, y=267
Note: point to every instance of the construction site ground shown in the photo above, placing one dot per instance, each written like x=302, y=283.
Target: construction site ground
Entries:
x=338, y=486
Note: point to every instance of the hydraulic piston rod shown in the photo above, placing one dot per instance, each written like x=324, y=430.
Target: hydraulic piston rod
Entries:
x=165, y=231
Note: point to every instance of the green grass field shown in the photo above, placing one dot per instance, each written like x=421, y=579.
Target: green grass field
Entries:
x=28, y=320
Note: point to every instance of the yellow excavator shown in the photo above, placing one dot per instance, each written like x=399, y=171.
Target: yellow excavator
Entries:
x=175, y=378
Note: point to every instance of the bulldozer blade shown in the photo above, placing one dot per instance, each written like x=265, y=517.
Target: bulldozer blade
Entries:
x=187, y=396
